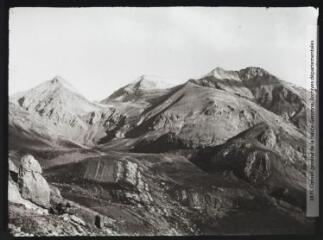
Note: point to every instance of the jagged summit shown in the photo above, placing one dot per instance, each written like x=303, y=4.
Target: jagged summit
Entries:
x=57, y=82
x=249, y=73
x=246, y=77
x=238, y=75
x=226, y=80
x=57, y=79
x=220, y=73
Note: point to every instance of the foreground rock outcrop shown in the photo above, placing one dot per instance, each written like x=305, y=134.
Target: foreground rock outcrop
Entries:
x=30, y=197
x=32, y=184
x=37, y=208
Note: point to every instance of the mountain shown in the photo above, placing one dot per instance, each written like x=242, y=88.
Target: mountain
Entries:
x=278, y=96
x=132, y=100
x=57, y=101
x=196, y=158
x=198, y=116
x=145, y=88
x=150, y=109
x=63, y=110
x=224, y=80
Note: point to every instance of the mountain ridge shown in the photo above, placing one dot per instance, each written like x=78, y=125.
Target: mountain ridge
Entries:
x=60, y=104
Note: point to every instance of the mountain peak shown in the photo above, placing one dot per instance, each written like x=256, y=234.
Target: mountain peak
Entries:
x=255, y=69
x=143, y=84
x=150, y=82
x=251, y=72
x=244, y=74
x=219, y=69
x=58, y=81
x=220, y=73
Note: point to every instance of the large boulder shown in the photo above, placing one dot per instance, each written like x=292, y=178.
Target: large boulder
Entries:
x=58, y=206
x=268, y=138
x=32, y=184
x=29, y=163
x=55, y=195
x=15, y=198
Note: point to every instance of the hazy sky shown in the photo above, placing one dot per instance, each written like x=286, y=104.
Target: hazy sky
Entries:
x=99, y=50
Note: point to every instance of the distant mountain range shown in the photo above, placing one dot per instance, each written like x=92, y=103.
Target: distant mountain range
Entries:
x=149, y=103
x=239, y=131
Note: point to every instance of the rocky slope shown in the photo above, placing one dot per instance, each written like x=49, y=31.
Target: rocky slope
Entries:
x=261, y=157
x=156, y=159
x=221, y=79
x=278, y=96
x=55, y=100
x=55, y=109
x=196, y=116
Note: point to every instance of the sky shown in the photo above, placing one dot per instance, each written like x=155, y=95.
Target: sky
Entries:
x=99, y=50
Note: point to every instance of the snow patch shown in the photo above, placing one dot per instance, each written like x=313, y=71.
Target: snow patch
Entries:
x=152, y=82
x=220, y=73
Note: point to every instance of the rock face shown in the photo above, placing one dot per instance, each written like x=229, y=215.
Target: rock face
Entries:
x=282, y=98
x=125, y=173
x=257, y=167
x=32, y=184
x=268, y=138
x=197, y=200
x=56, y=199
x=113, y=179
x=244, y=159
